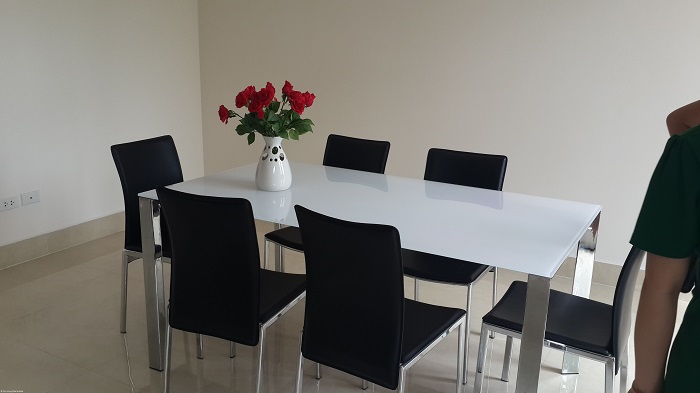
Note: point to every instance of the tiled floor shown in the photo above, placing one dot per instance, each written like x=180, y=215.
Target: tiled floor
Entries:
x=59, y=332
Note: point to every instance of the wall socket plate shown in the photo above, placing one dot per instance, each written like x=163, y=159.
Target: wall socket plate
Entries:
x=9, y=202
x=30, y=197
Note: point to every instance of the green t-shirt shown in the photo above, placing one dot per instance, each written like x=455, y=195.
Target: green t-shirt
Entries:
x=669, y=225
x=669, y=222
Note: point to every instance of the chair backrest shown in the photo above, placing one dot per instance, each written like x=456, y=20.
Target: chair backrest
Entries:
x=353, y=319
x=622, y=302
x=466, y=168
x=354, y=153
x=215, y=274
x=144, y=165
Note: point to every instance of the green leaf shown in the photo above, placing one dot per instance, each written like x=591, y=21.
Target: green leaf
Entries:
x=251, y=138
x=273, y=117
x=304, y=126
x=293, y=134
x=284, y=134
x=274, y=106
x=242, y=129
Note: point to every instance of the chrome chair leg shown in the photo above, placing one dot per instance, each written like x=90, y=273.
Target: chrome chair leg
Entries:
x=365, y=384
x=280, y=249
x=200, y=347
x=260, y=362
x=318, y=371
x=480, y=359
x=495, y=295
x=505, y=374
x=415, y=289
x=124, y=278
x=610, y=375
x=300, y=367
x=461, y=375
x=466, y=334
x=232, y=350
x=623, y=368
x=402, y=380
x=168, y=358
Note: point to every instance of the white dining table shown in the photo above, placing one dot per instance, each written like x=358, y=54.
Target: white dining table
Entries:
x=523, y=233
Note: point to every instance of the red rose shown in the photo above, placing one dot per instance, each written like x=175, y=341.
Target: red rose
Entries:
x=265, y=95
x=223, y=114
x=297, y=101
x=309, y=99
x=243, y=97
x=241, y=100
x=255, y=105
x=271, y=89
x=287, y=88
x=294, y=95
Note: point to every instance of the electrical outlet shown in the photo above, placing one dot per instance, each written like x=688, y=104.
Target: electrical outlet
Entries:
x=30, y=197
x=9, y=203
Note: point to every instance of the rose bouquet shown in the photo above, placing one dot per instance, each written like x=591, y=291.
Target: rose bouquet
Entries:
x=267, y=115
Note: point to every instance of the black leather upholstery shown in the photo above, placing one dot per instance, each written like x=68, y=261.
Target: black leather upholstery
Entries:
x=289, y=237
x=356, y=319
x=144, y=165
x=216, y=285
x=464, y=169
x=588, y=326
x=575, y=321
x=355, y=153
x=341, y=152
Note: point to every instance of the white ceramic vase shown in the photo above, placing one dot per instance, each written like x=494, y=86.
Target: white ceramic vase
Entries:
x=273, y=172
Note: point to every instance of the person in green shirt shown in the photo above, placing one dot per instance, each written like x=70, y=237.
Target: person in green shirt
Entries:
x=668, y=228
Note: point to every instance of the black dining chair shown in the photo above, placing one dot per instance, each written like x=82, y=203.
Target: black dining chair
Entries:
x=142, y=165
x=466, y=169
x=341, y=152
x=217, y=287
x=577, y=325
x=356, y=318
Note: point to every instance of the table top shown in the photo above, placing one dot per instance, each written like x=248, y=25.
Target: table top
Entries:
x=525, y=233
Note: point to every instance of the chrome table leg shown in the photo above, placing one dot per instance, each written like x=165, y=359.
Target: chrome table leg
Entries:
x=536, y=305
x=156, y=324
x=583, y=276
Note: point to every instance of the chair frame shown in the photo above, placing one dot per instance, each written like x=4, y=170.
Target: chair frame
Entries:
x=460, y=324
x=259, y=348
x=609, y=361
x=620, y=328
x=492, y=269
x=262, y=325
x=393, y=251
x=128, y=255
x=279, y=262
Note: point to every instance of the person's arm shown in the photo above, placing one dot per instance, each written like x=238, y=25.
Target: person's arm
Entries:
x=683, y=118
x=656, y=319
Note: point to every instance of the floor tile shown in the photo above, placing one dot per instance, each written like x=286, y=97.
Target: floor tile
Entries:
x=60, y=333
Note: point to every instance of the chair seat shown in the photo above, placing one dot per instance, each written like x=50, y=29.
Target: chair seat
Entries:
x=289, y=237
x=423, y=323
x=277, y=290
x=589, y=331
x=438, y=268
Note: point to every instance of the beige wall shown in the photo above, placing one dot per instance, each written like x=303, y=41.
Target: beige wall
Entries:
x=574, y=92
x=77, y=76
